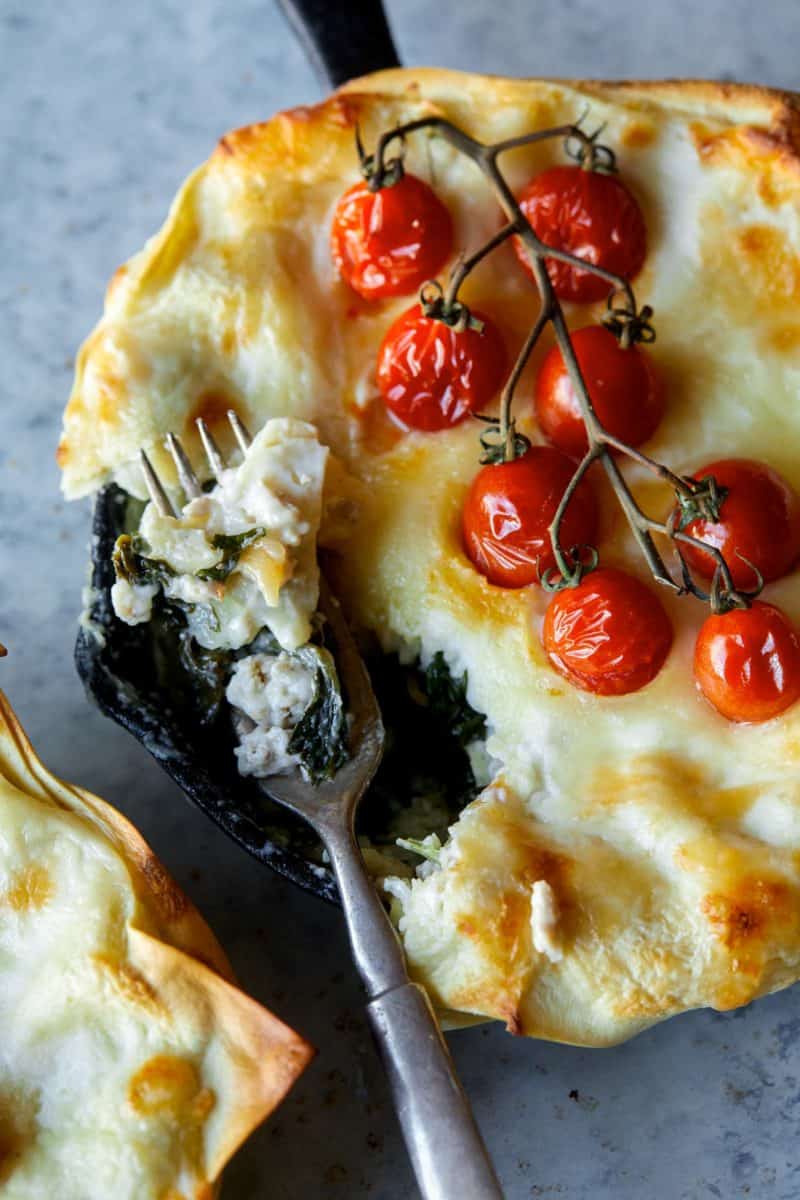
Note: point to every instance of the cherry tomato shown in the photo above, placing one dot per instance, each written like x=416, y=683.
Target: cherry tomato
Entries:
x=624, y=388
x=509, y=508
x=432, y=376
x=609, y=635
x=747, y=663
x=389, y=242
x=758, y=519
x=589, y=214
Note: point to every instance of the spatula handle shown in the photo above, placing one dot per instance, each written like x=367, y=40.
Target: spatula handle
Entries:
x=446, y=1149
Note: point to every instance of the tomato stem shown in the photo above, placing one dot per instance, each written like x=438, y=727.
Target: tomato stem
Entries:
x=501, y=443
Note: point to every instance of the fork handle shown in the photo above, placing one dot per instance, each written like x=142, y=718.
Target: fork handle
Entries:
x=442, y=1138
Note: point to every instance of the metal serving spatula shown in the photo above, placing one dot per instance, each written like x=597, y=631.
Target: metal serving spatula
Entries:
x=446, y=1149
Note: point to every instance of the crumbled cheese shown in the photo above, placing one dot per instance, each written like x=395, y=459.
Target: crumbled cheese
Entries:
x=133, y=602
x=272, y=692
x=271, y=689
x=544, y=921
x=275, y=582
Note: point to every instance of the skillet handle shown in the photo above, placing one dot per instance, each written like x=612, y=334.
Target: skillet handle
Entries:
x=342, y=41
x=441, y=1136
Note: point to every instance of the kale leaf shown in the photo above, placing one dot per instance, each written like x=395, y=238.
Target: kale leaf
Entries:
x=320, y=736
x=233, y=545
x=131, y=562
x=447, y=698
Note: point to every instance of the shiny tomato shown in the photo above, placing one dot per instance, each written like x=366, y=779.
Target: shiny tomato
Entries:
x=623, y=385
x=747, y=663
x=759, y=520
x=509, y=508
x=591, y=215
x=432, y=376
x=609, y=635
x=389, y=242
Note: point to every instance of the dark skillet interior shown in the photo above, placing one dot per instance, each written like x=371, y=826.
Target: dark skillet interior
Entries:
x=132, y=680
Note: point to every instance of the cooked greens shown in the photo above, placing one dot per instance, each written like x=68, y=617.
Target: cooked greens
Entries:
x=447, y=698
x=131, y=562
x=320, y=736
x=233, y=546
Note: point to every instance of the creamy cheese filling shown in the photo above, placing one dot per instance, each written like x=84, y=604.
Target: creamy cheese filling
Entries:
x=243, y=557
x=272, y=692
x=241, y=562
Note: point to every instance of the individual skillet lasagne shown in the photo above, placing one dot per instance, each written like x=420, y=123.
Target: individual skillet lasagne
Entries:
x=634, y=849
x=130, y=1066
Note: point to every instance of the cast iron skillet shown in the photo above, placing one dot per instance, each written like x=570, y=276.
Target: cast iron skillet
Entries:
x=117, y=663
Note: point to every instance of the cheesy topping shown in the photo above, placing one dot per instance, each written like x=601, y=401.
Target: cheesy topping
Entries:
x=668, y=835
x=544, y=920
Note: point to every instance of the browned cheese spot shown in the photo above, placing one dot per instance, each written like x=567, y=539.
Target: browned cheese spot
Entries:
x=167, y=1085
x=31, y=887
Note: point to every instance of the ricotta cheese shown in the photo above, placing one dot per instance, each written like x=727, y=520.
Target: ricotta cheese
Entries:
x=271, y=692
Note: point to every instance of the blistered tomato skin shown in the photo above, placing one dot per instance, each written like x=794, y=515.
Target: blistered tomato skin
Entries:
x=747, y=663
x=389, y=242
x=609, y=635
x=591, y=215
x=759, y=520
x=509, y=508
x=432, y=376
x=623, y=385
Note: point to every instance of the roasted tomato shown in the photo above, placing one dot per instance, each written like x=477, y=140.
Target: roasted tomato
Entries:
x=623, y=385
x=432, y=376
x=591, y=215
x=747, y=663
x=389, y=242
x=609, y=635
x=759, y=520
x=509, y=508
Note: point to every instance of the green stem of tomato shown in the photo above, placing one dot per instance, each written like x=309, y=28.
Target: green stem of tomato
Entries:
x=600, y=442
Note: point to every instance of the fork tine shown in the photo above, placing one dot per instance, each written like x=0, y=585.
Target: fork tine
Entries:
x=156, y=488
x=215, y=459
x=185, y=473
x=240, y=430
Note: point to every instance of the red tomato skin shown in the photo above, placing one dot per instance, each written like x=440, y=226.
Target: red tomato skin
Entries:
x=507, y=512
x=759, y=518
x=432, y=377
x=747, y=663
x=609, y=635
x=623, y=385
x=589, y=214
x=388, y=243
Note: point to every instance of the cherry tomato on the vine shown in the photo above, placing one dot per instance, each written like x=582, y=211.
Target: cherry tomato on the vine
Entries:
x=590, y=214
x=623, y=385
x=759, y=520
x=389, y=242
x=432, y=376
x=508, y=509
x=609, y=635
x=747, y=663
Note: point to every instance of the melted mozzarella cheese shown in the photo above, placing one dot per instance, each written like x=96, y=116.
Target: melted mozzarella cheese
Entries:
x=667, y=835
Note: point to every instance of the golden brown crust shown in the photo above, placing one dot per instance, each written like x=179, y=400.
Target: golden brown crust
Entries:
x=229, y=1062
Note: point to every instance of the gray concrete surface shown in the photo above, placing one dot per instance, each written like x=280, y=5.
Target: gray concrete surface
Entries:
x=104, y=107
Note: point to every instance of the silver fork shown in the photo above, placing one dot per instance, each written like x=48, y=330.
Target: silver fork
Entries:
x=443, y=1141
